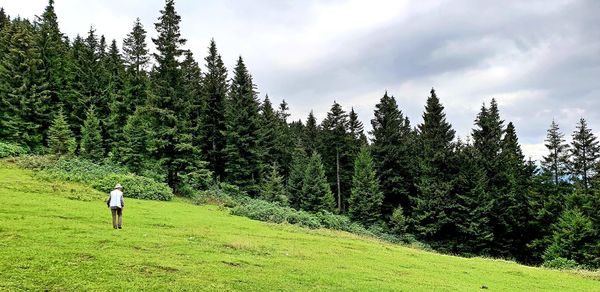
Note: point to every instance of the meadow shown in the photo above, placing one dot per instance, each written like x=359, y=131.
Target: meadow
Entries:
x=57, y=236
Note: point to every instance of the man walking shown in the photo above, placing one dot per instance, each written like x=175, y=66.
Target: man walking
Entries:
x=116, y=204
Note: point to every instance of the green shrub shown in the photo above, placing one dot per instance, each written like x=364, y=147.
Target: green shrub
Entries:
x=8, y=149
x=271, y=212
x=333, y=221
x=134, y=186
x=560, y=263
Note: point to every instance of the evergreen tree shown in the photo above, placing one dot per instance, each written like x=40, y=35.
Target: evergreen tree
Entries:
x=575, y=239
x=24, y=99
x=556, y=162
x=366, y=198
x=336, y=148
x=316, y=193
x=487, y=139
x=213, y=124
x=392, y=154
x=60, y=137
x=357, y=131
x=584, y=156
x=4, y=19
x=311, y=132
x=134, y=147
x=273, y=188
x=284, y=140
x=296, y=178
x=119, y=112
x=53, y=50
x=434, y=206
x=274, y=140
x=169, y=109
x=91, y=138
x=242, y=154
x=136, y=59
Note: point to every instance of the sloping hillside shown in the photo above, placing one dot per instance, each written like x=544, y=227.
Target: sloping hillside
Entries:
x=58, y=236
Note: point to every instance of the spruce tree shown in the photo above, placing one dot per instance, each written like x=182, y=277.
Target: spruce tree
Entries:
x=53, y=50
x=274, y=141
x=243, y=121
x=214, y=123
x=115, y=90
x=556, y=162
x=487, y=139
x=136, y=59
x=434, y=206
x=4, y=18
x=394, y=160
x=312, y=134
x=60, y=138
x=366, y=198
x=24, y=98
x=574, y=238
x=584, y=156
x=91, y=138
x=133, y=150
x=273, y=188
x=296, y=178
x=316, y=193
x=336, y=149
x=357, y=131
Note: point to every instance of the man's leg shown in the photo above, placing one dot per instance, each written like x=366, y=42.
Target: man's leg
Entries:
x=114, y=217
x=120, y=213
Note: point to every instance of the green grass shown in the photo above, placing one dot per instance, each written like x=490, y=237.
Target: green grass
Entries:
x=58, y=236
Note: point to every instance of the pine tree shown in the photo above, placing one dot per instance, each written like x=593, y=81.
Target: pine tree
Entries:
x=392, y=155
x=284, y=140
x=366, y=198
x=134, y=147
x=273, y=188
x=53, y=50
x=312, y=134
x=556, y=162
x=4, y=19
x=336, y=148
x=487, y=139
x=214, y=123
x=274, y=140
x=584, y=156
x=136, y=59
x=316, y=193
x=242, y=154
x=357, y=131
x=91, y=138
x=575, y=239
x=296, y=178
x=434, y=206
x=115, y=90
x=60, y=137
x=24, y=106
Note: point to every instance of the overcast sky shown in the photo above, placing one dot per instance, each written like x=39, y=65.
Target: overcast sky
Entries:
x=539, y=59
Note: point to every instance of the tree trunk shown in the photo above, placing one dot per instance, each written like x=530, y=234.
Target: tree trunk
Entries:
x=339, y=194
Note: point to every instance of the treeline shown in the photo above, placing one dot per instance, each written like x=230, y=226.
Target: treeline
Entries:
x=164, y=116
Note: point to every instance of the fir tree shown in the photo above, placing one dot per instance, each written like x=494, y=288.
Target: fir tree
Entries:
x=136, y=59
x=4, y=19
x=556, y=162
x=316, y=193
x=296, y=178
x=584, y=156
x=60, y=137
x=214, y=124
x=242, y=153
x=273, y=138
x=366, y=198
x=356, y=129
x=118, y=105
x=336, y=148
x=433, y=206
x=311, y=132
x=133, y=150
x=273, y=188
x=24, y=98
x=575, y=239
x=392, y=155
x=91, y=138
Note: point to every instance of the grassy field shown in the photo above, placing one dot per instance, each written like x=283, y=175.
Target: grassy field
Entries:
x=58, y=236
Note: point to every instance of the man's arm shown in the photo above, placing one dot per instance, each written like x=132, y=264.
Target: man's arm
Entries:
x=122, y=201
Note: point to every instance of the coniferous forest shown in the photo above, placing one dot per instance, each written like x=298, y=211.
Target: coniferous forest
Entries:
x=186, y=119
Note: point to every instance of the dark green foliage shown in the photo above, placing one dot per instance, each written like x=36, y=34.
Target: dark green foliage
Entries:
x=136, y=59
x=60, y=137
x=273, y=188
x=213, y=124
x=311, y=132
x=24, y=99
x=8, y=149
x=4, y=18
x=574, y=239
x=366, y=198
x=91, y=138
x=243, y=165
x=137, y=187
x=398, y=221
x=584, y=156
x=133, y=149
x=393, y=154
x=316, y=193
x=338, y=154
x=434, y=204
x=357, y=131
x=557, y=160
x=296, y=178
